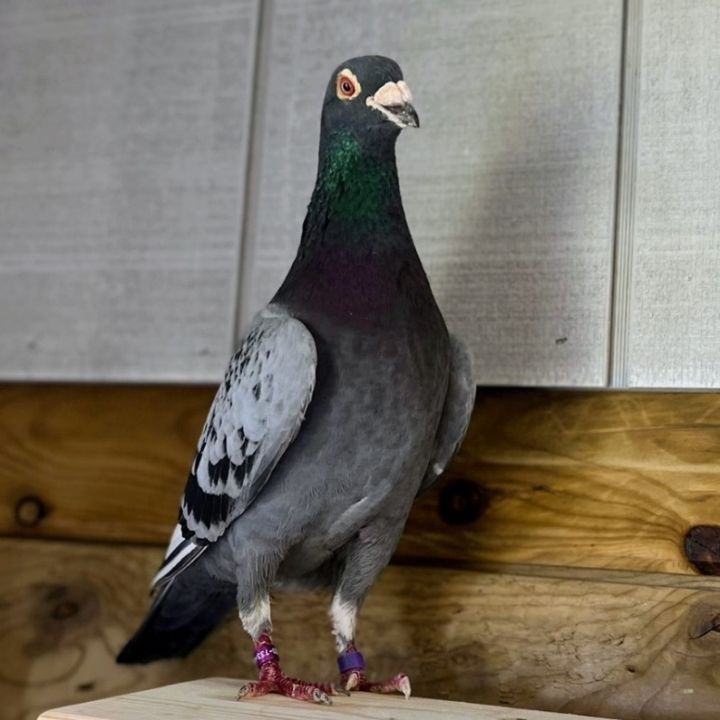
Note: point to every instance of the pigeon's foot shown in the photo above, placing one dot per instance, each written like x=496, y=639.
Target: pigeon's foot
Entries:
x=273, y=680
x=290, y=687
x=352, y=674
x=357, y=680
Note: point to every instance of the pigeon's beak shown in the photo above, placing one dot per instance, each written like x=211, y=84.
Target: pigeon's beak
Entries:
x=404, y=115
x=394, y=101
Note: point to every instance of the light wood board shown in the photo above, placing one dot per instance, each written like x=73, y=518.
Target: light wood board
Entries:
x=508, y=186
x=606, y=649
x=215, y=699
x=674, y=296
x=607, y=481
x=123, y=137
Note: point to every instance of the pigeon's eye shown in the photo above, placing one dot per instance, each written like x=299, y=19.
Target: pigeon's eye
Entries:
x=348, y=86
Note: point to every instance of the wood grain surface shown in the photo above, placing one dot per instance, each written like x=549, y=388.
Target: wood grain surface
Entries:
x=604, y=649
x=101, y=462
x=551, y=478
x=508, y=186
x=596, y=480
x=123, y=137
x=216, y=696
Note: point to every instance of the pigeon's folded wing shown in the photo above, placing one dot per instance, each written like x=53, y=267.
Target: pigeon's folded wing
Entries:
x=456, y=414
x=255, y=415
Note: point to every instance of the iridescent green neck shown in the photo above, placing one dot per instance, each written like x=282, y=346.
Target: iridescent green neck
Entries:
x=356, y=251
x=354, y=186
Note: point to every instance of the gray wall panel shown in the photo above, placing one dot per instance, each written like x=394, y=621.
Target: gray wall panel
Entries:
x=674, y=311
x=122, y=156
x=509, y=185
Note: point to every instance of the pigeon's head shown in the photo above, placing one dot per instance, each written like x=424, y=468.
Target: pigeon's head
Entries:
x=368, y=97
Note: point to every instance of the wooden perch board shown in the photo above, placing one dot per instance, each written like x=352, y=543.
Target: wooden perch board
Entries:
x=214, y=699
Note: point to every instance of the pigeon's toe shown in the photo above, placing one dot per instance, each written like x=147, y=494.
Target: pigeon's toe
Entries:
x=357, y=680
x=255, y=689
x=280, y=684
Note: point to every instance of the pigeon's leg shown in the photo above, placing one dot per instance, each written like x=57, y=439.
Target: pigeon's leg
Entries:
x=271, y=679
x=351, y=662
x=364, y=560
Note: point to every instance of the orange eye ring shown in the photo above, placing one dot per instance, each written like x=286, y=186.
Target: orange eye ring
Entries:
x=347, y=87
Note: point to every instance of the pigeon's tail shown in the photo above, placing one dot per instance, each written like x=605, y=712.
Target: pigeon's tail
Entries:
x=182, y=616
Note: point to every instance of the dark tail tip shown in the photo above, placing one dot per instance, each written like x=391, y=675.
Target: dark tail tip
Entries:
x=177, y=623
x=144, y=647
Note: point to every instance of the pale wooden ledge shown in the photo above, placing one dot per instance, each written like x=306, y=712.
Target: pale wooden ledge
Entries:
x=214, y=699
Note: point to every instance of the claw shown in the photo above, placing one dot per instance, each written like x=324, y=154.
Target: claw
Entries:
x=352, y=682
x=339, y=690
x=253, y=689
x=403, y=685
x=319, y=696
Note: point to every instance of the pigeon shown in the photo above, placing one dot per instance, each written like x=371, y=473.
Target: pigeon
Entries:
x=346, y=399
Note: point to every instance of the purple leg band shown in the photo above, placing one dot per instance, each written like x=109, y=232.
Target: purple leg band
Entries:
x=352, y=660
x=265, y=654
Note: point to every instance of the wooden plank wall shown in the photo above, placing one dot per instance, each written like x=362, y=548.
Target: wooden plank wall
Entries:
x=568, y=561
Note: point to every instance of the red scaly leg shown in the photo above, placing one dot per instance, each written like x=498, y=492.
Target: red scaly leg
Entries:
x=352, y=674
x=273, y=680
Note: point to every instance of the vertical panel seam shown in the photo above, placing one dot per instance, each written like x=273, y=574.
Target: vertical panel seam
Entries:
x=621, y=298
x=252, y=135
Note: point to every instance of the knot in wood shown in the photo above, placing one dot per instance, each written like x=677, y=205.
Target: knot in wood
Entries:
x=462, y=502
x=65, y=610
x=30, y=511
x=702, y=548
